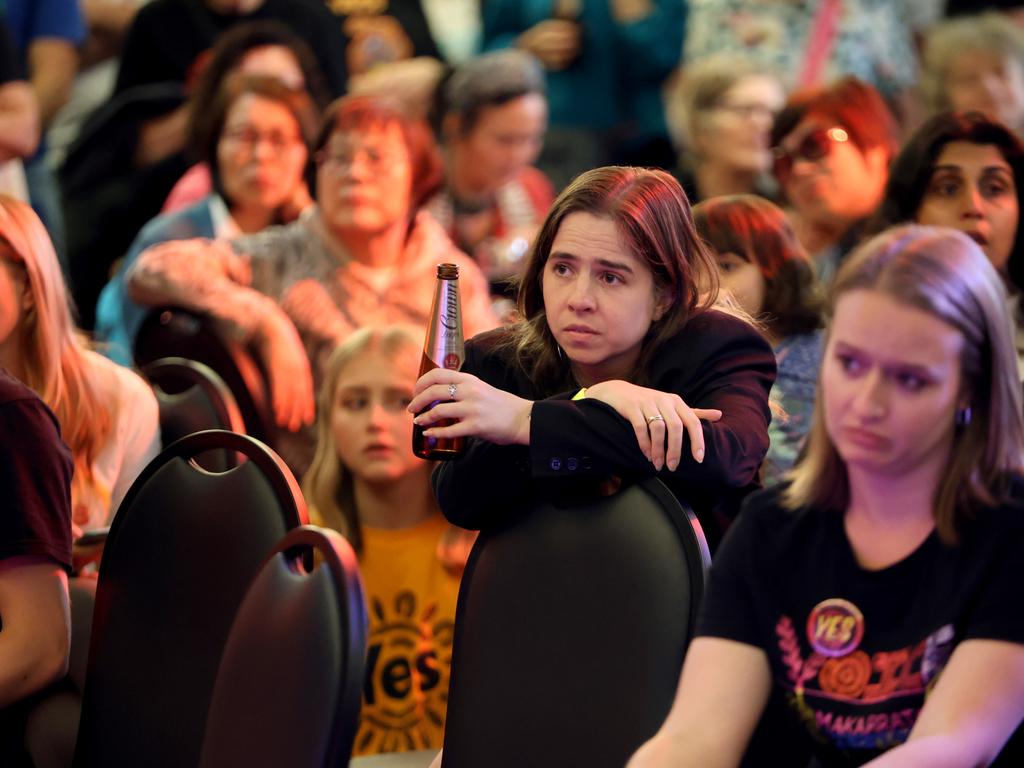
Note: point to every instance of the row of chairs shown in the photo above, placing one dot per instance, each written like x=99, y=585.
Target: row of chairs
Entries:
x=225, y=630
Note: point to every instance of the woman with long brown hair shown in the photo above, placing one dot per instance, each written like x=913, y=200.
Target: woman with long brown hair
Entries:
x=621, y=356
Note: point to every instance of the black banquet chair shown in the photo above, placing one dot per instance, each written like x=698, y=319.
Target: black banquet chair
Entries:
x=291, y=679
x=176, y=332
x=183, y=548
x=571, y=627
x=192, y=397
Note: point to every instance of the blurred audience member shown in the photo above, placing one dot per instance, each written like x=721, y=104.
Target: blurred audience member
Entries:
x=19, y=119
x=35, y=556
x=379, y=33
x=813, y=43
x=366, y=482
x=976, y=63
x=764, y=267
x=832, y=150
x=108, y=415
x=107, y=22
x=492, y=115
x=265, y=48
x=964, y=170
x=606, y=63
x=366, y=255
x=47, y=34
x=116, y=179
x=727, y=108
x=168, y=36
x=874, y=595
x=256, y=136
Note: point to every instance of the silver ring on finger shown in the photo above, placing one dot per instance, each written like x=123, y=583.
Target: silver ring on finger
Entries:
x=654, y=418
x=452, y=389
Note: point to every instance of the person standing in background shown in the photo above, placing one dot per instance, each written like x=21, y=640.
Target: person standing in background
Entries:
x=47, y=34
x=606, y=61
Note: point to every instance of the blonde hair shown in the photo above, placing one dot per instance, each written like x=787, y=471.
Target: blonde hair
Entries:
x=328, y=484
x=944, y=273
x=55, y=364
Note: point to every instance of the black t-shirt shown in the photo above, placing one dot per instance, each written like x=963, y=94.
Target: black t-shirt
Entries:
x=167, y=35
x=35, y=478
x=854, y=652
x=35, y=507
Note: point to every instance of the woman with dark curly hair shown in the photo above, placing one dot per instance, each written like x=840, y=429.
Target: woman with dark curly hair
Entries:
x=963, y=170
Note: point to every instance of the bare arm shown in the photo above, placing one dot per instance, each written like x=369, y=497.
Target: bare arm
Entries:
x=52, y=65
x=36, y=626
x=19, y=120
x=722, y=692
x=977, y=703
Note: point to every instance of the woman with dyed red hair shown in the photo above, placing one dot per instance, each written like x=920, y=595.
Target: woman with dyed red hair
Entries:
x=832, y=149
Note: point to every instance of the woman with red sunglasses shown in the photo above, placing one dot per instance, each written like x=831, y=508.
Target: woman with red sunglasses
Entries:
x=832, y=148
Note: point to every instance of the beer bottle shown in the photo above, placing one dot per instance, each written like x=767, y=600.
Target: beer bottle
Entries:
x=443, y=348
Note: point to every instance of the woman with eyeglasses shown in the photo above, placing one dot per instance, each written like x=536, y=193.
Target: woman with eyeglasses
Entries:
x=727, y=106
x=256, y=139
x=965, y=170
x=874, y=598
x=832, y=148
x=363, y=255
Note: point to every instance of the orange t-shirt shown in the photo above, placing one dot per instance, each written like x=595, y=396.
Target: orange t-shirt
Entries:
x=411, y=600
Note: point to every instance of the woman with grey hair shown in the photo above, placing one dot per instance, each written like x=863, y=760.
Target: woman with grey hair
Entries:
x=976, y=63
x=726, y=105
x=491, y=114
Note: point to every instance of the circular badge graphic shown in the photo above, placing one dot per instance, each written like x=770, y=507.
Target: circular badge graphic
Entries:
x=835, y=627
x=452, y=361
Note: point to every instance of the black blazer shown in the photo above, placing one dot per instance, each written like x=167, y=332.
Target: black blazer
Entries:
x=716, y=361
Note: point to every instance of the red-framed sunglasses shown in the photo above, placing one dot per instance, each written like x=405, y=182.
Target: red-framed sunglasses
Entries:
x=813, y=147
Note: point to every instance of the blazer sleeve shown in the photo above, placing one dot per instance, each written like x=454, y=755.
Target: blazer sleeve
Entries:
x=488, y=482
x=726, y=364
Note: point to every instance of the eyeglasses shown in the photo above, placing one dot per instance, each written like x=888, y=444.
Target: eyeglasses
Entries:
x=812, y=148
x=746, y=111
x=248, y=138
x=343, y=160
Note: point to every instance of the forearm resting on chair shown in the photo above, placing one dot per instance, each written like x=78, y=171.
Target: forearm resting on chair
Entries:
x=205, y=276
x=36, y=632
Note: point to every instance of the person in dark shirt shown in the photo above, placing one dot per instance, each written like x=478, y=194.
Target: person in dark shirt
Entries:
x=35, y=552
x=875, y=595
x=618, y=302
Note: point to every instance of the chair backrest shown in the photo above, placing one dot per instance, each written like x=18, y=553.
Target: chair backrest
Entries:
x=299, y=636
x=193, y=398
x=572, y=623
x=176, y=332
x=183, y=548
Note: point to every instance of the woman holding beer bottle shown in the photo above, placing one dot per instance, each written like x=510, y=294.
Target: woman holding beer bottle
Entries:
x=623, y=365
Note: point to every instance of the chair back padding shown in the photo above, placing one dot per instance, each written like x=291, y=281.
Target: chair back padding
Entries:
x=193, y=398
x=571, y=627
x=291, y=679
x=183, y=548
x=177, y=332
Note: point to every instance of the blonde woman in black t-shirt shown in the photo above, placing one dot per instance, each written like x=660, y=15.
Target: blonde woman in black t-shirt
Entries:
x=875, y=596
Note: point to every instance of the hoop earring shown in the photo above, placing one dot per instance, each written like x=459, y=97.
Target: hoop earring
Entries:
x=963, y=417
